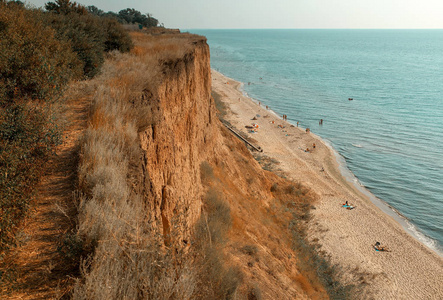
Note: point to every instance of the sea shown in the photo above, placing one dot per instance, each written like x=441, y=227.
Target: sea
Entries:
x=379, y=93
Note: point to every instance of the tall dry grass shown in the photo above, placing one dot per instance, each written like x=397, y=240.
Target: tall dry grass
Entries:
x=127, y=258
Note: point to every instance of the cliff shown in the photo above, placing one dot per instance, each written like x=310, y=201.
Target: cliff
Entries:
x=184, y=134
x=187, y=133
x=175, y=206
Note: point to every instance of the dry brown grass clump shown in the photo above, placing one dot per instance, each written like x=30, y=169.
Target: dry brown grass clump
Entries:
x=163, y=47
x=126, y=260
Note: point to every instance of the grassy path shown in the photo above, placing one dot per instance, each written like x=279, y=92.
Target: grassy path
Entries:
x=41, y=271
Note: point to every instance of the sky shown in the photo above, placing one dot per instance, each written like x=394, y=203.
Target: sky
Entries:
x=248, y=14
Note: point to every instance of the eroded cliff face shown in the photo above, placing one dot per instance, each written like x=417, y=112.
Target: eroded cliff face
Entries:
x=164, y=181
x=183, y=135
x=186, y=132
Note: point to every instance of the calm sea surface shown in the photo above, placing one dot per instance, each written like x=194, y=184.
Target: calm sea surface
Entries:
x=390, y=134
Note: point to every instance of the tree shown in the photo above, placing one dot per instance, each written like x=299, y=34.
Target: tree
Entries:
x=95, y=10
x=111, y=14
x=130, y=16
x=151, y=21
x=64, y=7
x=13, y=2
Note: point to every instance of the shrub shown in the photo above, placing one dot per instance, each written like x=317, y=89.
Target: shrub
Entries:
x=33, y=63
x=90, y=35
x=71, y=247
x=254, y=294
x=86, y=35
x=117, y=38
x=250, y=250
x=26, y=140
x=274, y=187
x=206, y=173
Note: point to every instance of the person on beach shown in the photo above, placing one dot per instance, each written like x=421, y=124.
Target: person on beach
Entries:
x=378, y=247
x=297, y=123
x=348, y=206
x=308, y=130
x=313, y=145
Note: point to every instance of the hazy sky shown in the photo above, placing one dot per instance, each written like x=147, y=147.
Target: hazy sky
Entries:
x=193, y=14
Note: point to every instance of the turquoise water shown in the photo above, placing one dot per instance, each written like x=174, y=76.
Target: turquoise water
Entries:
x=390, y=135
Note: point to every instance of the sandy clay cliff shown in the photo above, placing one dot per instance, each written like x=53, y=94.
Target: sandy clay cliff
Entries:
x=195, y=201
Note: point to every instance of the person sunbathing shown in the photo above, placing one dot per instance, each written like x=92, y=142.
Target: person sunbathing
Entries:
x=378, y=247
x=348, y=206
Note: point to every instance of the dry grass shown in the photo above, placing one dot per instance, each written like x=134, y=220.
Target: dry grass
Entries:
x=127, y=260
x=220, y=105
x=216, y=279
x=317, y=270
x=164, y=47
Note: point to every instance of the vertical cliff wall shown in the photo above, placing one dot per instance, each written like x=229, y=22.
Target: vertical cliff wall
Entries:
x=184, y=133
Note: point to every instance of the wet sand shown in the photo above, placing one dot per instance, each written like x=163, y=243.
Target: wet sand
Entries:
x=409, y=271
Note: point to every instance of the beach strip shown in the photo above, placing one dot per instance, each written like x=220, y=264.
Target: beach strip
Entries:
x=409, y=270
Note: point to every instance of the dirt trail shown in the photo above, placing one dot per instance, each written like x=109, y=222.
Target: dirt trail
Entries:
x=42, y=273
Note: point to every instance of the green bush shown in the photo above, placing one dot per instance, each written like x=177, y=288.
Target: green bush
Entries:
x=116, y=37
x=90, y=35
x=26, y=140
x=86, y=35
x=33, y=63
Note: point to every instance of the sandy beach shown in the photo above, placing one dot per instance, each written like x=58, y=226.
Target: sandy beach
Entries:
x=409, y=271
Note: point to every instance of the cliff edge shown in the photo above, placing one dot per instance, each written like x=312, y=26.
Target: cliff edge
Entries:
x=173, y=205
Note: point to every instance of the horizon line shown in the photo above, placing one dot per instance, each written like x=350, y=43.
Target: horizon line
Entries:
x=311, y=28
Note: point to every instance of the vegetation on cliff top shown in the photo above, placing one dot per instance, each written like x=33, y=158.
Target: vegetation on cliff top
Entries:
x=40, y=53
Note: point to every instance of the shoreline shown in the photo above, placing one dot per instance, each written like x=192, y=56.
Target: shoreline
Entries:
x=352, y=179
x=385, y=207
x=345, y=236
